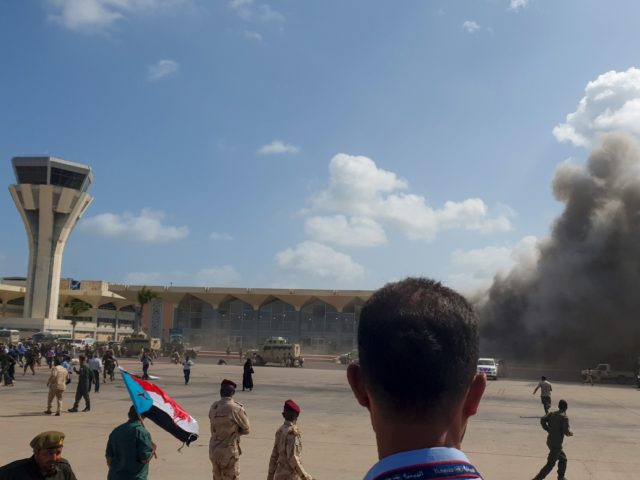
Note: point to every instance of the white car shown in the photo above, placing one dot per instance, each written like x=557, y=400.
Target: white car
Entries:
x=489, y=367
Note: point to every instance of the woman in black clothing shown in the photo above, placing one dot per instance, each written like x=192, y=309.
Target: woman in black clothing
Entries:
x=247, y=380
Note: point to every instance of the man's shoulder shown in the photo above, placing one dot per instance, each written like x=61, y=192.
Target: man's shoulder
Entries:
x=16, y=465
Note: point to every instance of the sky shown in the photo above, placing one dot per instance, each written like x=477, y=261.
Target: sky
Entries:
x=300, y=144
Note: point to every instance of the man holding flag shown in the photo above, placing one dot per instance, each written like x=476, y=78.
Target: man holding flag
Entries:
x=130, y=449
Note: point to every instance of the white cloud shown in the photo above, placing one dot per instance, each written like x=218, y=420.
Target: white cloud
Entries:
x=252, y=35
x=278, y=147
x=358, y=188
x=518, y=4
x=471, y=26
x=220, y=236
x=611, y=104
x=161, y=69
x=354, y=232
x=249, y=11
x=317, y=260
x=207, y=277
x=146, y=227
x=95, y=15
x=474, y=270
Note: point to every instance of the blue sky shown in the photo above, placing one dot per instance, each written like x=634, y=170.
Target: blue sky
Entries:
x=299, y=144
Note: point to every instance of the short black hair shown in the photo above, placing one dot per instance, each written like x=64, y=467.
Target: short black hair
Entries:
x=227, y=391
x=563, y=405
x=543, y=378
x=133, y=413
x=418, y=347
x=289, y=414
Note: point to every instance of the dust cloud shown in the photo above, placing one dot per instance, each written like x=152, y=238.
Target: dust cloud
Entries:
x=579, y=303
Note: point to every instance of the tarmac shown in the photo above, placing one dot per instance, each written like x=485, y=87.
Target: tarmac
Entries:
x=504, y=441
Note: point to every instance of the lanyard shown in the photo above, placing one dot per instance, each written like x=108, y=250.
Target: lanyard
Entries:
x=432, y=471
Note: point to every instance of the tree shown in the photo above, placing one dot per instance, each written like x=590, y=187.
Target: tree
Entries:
x=145, y=295
x=76, y=307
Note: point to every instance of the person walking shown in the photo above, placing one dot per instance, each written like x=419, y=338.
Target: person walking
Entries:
x=30, y=361
x=545, y=393
x=285, y=463
x=130, y=449
x=85, y=377
x=5, y=364
x=247, y=379
x=228, y=422
x=146, y=360
x=556, y=424
x=57, y=384
x=186, y=369
x=96, y=367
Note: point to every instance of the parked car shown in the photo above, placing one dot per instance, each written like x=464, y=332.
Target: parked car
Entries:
x=489, y=367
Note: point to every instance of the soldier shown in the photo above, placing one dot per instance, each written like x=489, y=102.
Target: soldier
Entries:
x=285, y=463
x=557, y=425
x=57, y=384
x=545, y=393
x=5, y=363
x=46, y=461
x=85, y=377
x=228, y=422
x=30, y=360
x=110, y=364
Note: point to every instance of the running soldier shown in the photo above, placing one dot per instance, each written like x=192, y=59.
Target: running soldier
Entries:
x=557, y=425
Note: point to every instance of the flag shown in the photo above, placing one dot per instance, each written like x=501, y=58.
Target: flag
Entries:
x=75, y=284
x=149, y=400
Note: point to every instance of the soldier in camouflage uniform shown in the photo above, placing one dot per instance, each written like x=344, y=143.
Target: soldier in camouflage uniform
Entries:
x=228, y=422
x=557, y=425
x=285, y=463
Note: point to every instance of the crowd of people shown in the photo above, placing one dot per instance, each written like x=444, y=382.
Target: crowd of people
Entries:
x=429, y=329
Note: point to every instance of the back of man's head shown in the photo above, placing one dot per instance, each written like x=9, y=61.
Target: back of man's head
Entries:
x=563, y=405
x=418, y=348
x=543, y=378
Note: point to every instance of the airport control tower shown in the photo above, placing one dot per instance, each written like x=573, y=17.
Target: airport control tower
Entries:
x=51, y=195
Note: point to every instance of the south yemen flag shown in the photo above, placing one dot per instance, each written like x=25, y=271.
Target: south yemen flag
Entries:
x=160, y=408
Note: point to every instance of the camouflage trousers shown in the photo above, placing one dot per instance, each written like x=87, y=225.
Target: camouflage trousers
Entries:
x=225, y=464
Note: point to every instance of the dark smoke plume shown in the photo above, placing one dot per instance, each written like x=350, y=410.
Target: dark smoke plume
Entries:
x=580, y=303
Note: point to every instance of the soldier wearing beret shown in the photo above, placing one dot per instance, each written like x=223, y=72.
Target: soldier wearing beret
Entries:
x=228, y=422
x=285, y=463
x=46, y=461
x=85, y=378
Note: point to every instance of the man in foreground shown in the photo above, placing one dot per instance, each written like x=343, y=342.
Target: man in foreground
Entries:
x=545, y=393
x=557, y=425
x=46, y=461
x=285, y=463
x=420, y=402
x=228, y=422
x=129, y=450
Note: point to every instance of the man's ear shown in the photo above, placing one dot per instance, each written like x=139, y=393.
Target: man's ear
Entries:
x=356, y=382
x=474, y=395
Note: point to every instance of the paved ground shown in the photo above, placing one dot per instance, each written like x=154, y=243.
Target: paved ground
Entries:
x=504, y=440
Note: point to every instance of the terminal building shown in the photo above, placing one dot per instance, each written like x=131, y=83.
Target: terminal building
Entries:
x=322, y=321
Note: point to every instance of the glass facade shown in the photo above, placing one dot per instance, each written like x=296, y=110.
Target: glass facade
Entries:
x=318, y=326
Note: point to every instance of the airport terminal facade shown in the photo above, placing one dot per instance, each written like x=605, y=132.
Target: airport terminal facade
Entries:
x=322, y=321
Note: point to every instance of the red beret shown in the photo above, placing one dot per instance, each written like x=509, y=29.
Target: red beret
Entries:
x=81, y=357
x=228, y=382
x=291, y=405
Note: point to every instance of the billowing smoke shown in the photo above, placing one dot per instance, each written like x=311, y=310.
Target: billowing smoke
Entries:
x=580, y=303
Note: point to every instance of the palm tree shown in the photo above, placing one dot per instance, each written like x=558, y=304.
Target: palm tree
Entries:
x=77, y=307
x=145, y=295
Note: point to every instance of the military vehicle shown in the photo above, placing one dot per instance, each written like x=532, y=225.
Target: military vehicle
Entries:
x=177, y=344
x=277, y=350
x=133, y=346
